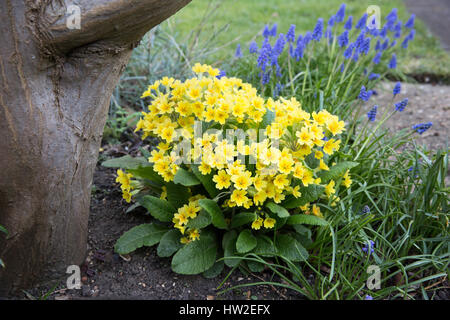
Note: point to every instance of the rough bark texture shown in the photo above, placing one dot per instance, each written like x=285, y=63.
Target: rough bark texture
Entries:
x=55, y=86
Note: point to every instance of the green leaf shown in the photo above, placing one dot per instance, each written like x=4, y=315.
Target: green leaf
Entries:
x=202, y=220
x=306, y=219
x=177, y=194
x=242, y=218
x=264, y=246
x=215, y=270
x=169, y=243
x=217, y=217
x=229, y=248
x=309, y=194
x=185, y=178
x=1, y=263
x=278, y=210
x=125, y=162
x=255, y=266
x=143, y=235
x=158, y=208
x=290, y=248
x=196, y=256
x=246, y=241
x=268, y=118
x=206, y=181
x=147, y=172
x=336, y=171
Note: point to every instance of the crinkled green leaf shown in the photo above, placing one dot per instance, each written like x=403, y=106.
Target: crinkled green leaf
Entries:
x=278, y=210
x=336, y=171
x=125, y=162
x=158, y=208
x=206, y=181
x=246, y=241
x=169, y=243
x=217, y=217
x=229, y=248
x=147, y=234
x=290, y=248
x=309, y=194
x=202, y=220
x=306, y=219
x=147, y=172
x=177, y=194
x=215, y=270
x=242, y=218
x=196, y=256
x=185, y=178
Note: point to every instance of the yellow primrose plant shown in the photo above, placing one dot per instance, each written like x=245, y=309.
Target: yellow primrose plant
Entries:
x=233, y=173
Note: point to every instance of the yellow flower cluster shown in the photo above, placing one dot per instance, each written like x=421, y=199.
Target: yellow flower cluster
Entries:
x=278, y=168
x=182, y=217
x=125, y=179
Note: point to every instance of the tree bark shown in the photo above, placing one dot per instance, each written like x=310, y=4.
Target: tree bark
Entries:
x=55, y=87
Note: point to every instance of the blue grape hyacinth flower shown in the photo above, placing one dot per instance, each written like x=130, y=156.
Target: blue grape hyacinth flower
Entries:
x=253, y=48
x=266, y=31
x=369, y=248
x=422, y=127
x=348, y=25
x=343, y=39
x=400, y=106
x=340, y=14
x=238, y=53
x=372, y=114
x=290, y=35
x=393, y=62
x=397, y=89
x=364, y=95
x=318, y=30
x=273, y=31
x=362, y=22
x=410, y=23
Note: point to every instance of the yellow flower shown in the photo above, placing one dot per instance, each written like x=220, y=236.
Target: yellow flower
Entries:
x=304, y=137
x=295, y=192
x=307, y=178
x=336, y=126
x=222, y=180
x=243, y=180
x=329, y=189
x=330, y=146
x=126, y=195
x=323, y=165
x=316, y=211
x=260, y=197
x=199, y=68
x=318, y=154
x=278, y=197
x=281, y=181
x=347, y=182
x=269, y=223
x=204, y=168
x=239, y=197
x=305, y=208
x=181, y=217
x=257, y=223
x=163, y=195
x=184, y=240
x=194, y=234
x=285, y=165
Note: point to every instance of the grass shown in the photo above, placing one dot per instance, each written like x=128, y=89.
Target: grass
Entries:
x=244, y=19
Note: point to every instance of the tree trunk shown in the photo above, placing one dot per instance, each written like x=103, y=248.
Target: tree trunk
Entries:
x=55, y=86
